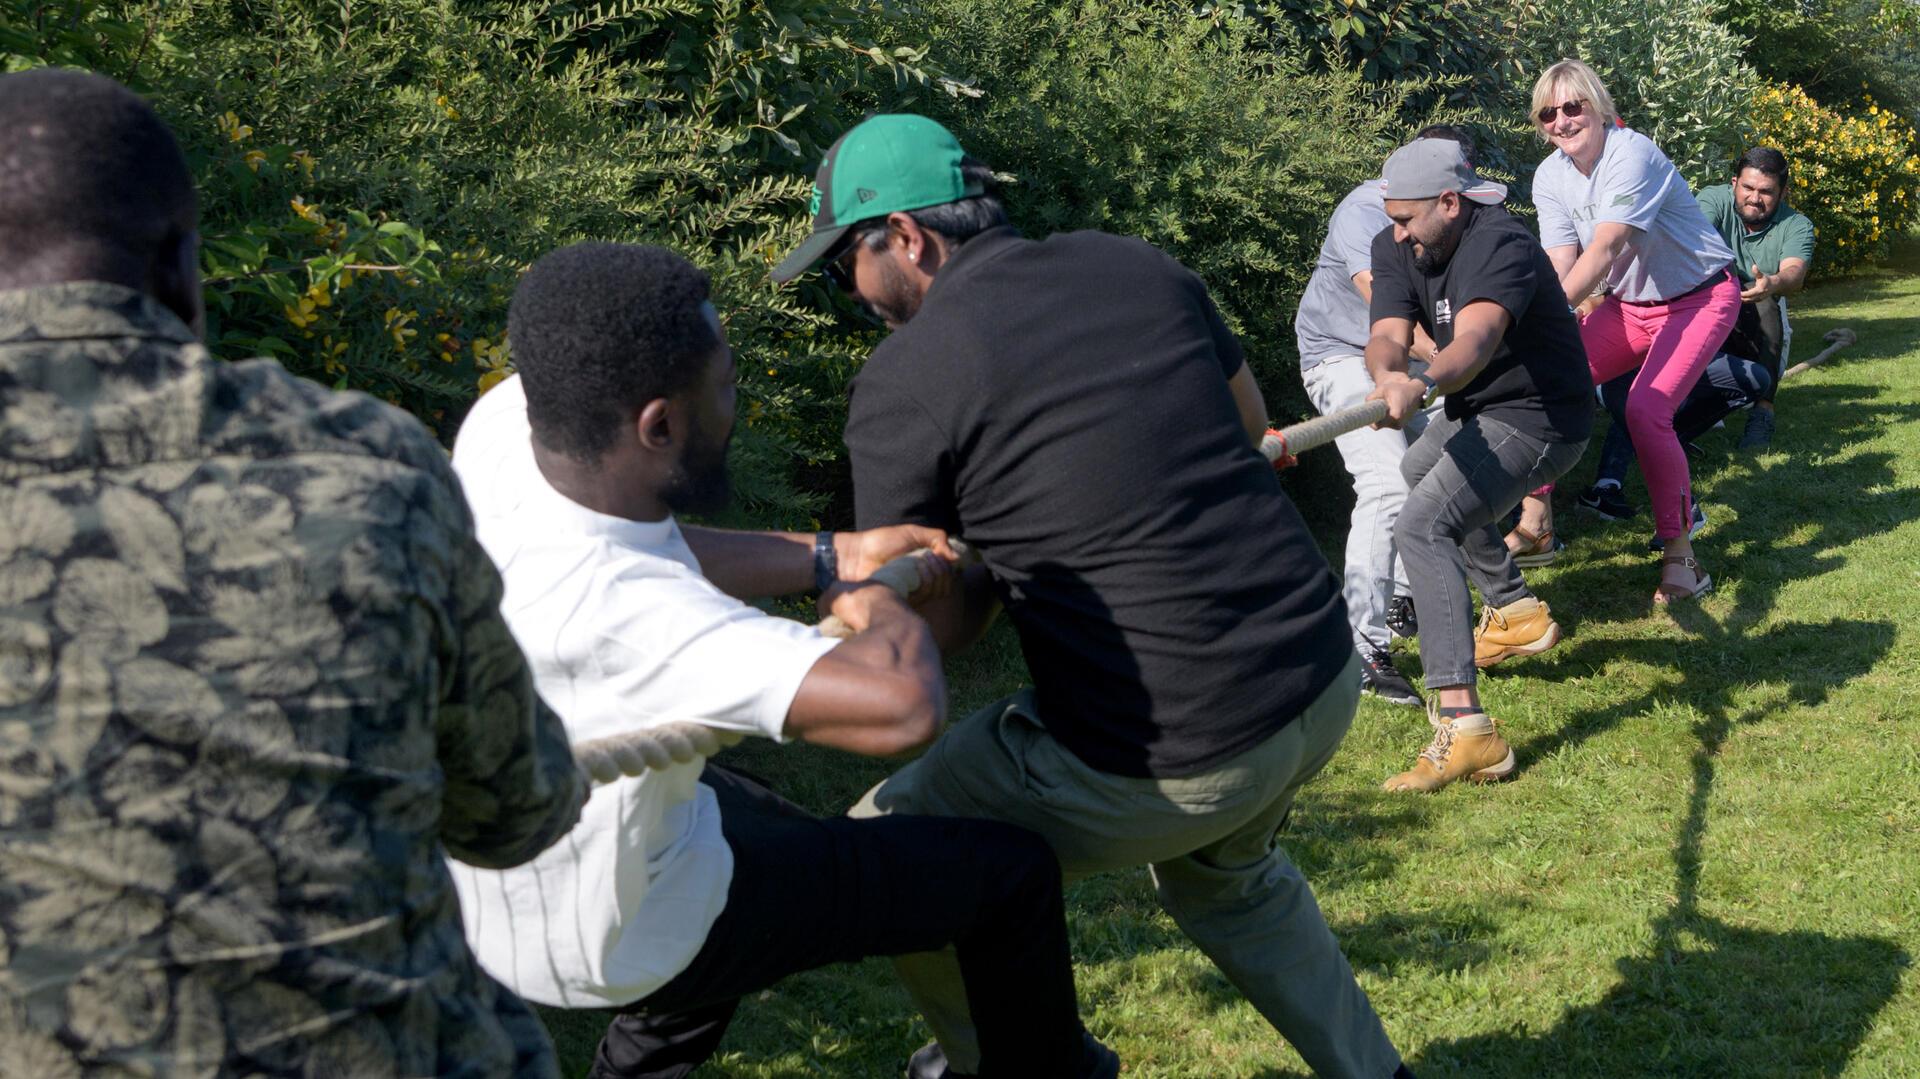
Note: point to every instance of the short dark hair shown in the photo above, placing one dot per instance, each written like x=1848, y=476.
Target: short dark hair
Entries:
x=1452, y=134
x=1765, y=159
x=86, y=159
x=957, y=221
x=600, y=329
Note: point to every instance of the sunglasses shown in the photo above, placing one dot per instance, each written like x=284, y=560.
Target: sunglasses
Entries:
x=1573, y=109
x=838, y=268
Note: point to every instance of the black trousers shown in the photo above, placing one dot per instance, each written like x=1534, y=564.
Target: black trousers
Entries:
x=807, y=892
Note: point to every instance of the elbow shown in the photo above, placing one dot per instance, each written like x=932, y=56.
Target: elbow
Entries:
x=919, y=710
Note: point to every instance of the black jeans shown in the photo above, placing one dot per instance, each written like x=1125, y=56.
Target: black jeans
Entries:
x=807, y=892
x=1743, y=373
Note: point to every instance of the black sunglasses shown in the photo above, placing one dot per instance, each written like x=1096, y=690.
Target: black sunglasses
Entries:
x=1573, y=109
x=835, y=265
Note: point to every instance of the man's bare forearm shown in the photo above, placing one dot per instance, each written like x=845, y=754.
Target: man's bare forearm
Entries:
x=750, y=565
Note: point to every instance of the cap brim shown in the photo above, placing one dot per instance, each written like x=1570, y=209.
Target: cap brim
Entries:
x=1487, y=192
x=809, y=254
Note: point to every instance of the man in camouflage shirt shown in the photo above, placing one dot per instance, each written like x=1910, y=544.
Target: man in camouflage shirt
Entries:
x=252, y=672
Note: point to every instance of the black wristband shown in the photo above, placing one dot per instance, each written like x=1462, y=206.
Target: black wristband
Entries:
x=826, y=562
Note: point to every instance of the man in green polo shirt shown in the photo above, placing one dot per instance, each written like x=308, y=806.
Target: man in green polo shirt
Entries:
x=1773, y=247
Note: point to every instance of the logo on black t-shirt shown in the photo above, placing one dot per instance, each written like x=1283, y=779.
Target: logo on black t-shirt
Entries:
x=1442, y=312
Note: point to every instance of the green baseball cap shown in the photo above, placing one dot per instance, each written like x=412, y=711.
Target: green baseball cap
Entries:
x=883, y=165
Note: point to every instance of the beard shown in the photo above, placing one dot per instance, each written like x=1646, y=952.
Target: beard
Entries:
x=895, y=301
x=700, y=484
x=1431, y=258
x=1753, y=215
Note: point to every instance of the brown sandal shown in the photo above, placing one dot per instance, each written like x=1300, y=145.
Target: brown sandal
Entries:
x=1534, y=550
x=1670, y=592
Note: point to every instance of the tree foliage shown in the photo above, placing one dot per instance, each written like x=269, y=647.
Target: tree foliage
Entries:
x=374, y=176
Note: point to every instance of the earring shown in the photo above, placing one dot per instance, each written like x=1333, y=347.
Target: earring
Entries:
x=913, y=256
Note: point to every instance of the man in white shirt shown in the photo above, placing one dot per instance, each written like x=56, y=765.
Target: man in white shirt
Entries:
x=683, y=889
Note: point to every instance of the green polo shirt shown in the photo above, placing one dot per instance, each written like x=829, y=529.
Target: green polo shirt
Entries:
x=1788, y=234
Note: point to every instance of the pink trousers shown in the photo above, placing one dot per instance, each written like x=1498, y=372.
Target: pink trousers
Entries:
x=1670, y=343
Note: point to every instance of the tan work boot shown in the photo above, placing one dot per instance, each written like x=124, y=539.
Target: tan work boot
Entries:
x=1524, y=627
x=1465, y=747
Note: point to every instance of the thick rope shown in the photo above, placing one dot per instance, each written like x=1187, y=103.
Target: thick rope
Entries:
x=1840, y=339
x=630, y=754
x=1315, y=433
x=683, y=741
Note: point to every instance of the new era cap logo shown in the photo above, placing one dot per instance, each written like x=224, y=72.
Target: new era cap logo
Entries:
x=866, y=194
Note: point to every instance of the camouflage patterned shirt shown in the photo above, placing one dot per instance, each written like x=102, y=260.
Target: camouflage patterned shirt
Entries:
x=253, y=680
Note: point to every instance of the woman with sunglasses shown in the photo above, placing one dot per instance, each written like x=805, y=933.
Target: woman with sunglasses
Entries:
x=1614, y=212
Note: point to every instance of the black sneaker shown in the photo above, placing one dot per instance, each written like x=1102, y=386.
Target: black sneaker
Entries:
x=1608, y=501
x=1402, y=620
x=1759, y=432
x=1693, y=529
x=1381, y=678
x=1099, y=1062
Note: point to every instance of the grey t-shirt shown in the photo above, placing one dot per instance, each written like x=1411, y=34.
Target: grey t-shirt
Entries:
x=1635, y=184
x=1332, y=320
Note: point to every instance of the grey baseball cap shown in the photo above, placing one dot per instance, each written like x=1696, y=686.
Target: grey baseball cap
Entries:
x=1424, y=168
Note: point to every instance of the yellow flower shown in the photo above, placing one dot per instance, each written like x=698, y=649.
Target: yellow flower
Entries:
x=254, y=159
x=305, y=160
x=301, y=313
x=320, y=295
x=330, y=353
x=233, y=129
x=399, y=327
x=307, y=211
x=452, y=113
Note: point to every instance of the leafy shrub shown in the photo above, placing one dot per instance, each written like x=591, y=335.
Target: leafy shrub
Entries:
x=375, y=177
x=1835, y=49
x=1674, y=71
x=1855, y=175
x=1383, y=40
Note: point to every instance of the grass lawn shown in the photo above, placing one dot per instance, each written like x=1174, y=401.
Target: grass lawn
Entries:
x=1709, y=863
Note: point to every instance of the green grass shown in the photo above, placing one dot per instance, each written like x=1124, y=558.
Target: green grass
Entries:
x=1708, y=865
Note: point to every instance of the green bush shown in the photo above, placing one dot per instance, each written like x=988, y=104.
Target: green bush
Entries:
x=1674, y=71
x=375, y=176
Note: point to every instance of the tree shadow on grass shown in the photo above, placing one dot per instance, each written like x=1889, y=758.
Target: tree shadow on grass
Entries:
x=1784, y=515
x=1709, y=998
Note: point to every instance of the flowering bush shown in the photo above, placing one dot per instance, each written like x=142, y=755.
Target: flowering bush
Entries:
x=1855, y=174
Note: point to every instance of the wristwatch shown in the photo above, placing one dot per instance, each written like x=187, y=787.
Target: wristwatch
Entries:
x=826, y=562
x=1433, y=388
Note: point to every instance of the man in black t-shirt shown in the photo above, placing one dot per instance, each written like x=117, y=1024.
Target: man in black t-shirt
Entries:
x=1076, y=408
x=1518, y=412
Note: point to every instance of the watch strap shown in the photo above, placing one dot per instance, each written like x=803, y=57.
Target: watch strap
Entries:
x=826, y=562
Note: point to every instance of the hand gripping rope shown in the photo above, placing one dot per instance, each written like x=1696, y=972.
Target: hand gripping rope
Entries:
x=683, y=741
x=1282, y=446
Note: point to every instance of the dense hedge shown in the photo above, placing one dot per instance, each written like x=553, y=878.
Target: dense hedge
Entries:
x=375, y=175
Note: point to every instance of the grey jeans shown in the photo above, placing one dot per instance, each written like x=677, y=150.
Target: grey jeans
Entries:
x=1462, y=477
x=1209, y=841
x=1372, y=456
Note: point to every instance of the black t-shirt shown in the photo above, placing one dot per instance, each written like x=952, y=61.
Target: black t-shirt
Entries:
x=1537, y=380
x=1063, y=405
